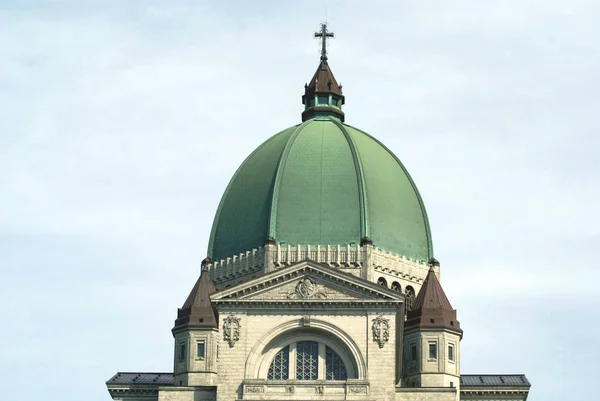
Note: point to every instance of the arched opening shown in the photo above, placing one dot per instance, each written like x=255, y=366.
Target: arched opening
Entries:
x=410, y=297
x=293, y=331
x=307, y=354
x=396, y=286
x=307, y=357
x=382, y=282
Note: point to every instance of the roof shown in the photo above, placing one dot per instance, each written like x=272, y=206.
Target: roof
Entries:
x=432, y=294
x=517, y=380
x=323, y=81
x=197, y=310
x=432, y=309
x=141, y=378
x=494, y=381
x=321, y=182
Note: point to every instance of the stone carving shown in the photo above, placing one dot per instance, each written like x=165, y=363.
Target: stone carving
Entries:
x=381, y=330
x=308, y=289
x=255, y=389
x=231, y=329
x=358, y=390
x=320, y=390
x=289, y=389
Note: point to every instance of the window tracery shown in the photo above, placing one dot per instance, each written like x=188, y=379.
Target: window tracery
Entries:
x=307, y=357
x=279, y=369
x=334, y=366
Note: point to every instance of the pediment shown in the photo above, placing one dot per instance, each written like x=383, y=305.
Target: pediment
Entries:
x=307, y=282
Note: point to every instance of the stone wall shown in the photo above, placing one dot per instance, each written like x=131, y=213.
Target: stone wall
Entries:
x=364, y=261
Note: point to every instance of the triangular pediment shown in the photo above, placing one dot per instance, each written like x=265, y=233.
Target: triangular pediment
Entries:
x=308, y=281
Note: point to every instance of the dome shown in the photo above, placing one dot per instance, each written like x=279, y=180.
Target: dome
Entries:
x=321, y=182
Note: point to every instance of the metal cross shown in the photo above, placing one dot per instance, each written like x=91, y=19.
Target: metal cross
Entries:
x=324, y=35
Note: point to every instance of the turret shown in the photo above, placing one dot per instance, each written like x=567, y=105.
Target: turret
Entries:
x=432, y=338
x=195, y=333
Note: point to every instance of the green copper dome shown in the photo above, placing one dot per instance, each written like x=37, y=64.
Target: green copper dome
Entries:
x=321, y=182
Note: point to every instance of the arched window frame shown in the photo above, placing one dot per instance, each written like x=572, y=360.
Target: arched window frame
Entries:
x=410, y=297
x=323, y=342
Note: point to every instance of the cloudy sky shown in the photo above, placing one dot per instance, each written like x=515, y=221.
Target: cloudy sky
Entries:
x=121, y=123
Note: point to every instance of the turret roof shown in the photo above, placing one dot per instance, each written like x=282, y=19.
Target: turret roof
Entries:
x=432, y=309
x=197, y=310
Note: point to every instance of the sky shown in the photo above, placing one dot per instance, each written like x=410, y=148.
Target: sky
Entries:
x=121, y=123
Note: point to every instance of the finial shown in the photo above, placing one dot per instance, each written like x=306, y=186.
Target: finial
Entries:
x=205, y=264
x=323, y=35
x=433, y=262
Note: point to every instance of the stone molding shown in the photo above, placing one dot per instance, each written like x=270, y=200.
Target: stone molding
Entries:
x=150, y=391
x=262, y=389
x=476, y=393
x=359, y=257
x=319, y=276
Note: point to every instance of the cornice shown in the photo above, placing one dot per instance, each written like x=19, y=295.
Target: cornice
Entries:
x=311, y=268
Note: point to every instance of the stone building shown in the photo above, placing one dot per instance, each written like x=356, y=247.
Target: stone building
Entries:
x=320, y=281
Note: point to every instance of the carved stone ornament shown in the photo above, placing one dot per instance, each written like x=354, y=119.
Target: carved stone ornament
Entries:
x=381, y=330
x=308, y=289
x=231, y=329
x=255, y=389
x=358, y=390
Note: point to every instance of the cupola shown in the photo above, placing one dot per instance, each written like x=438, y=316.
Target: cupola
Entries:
x=323, y=95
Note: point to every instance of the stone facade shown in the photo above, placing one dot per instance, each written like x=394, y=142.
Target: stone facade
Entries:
x=366, y=261
x=309, y=302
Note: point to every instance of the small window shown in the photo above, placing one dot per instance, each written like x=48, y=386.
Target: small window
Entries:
x=335, y=101
x=382, y=282
x=413, y=352
x=410, y=297
x=200, y=350
x=323, y=100
x=311, y=102
x=181, y=352
x=432, y=351
x=396, y=286
x=451, y=352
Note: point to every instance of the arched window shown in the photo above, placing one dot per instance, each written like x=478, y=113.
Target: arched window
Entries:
x=279, y=369
x=306, y=359
x=334, y=366
x=396, y=286
x=382, y=282
x=410, y=297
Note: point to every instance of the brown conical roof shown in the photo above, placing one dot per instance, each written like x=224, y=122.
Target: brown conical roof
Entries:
x=431, y=308
x=197, y=310
x=432, y=294
x=322, y=83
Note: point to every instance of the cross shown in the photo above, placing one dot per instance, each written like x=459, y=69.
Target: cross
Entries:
x=324, y=35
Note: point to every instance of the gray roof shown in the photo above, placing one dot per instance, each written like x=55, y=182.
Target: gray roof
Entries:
x=163, y=379
x=494, y=381
x=166, y=379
